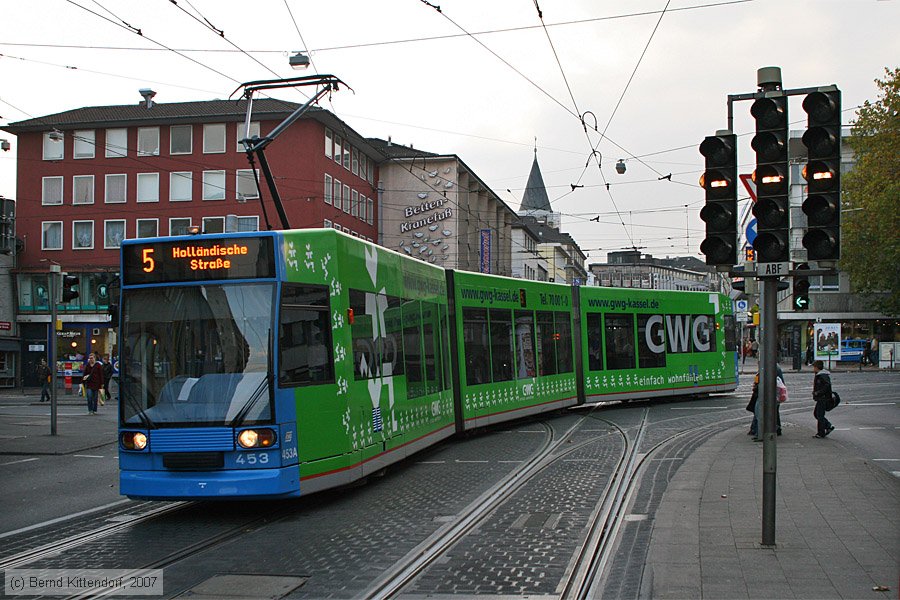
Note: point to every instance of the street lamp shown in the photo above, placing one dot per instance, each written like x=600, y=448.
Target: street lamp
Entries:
x=299, y=61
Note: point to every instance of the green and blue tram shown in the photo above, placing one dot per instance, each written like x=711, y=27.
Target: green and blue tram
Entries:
x=276, y=364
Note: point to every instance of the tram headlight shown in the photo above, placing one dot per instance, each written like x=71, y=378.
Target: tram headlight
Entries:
x=256, y=438
x=134, y=440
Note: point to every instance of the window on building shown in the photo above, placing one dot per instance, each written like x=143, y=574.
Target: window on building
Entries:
x=51, y=235
x=213, y=224
x=148, y=141
x=214, y=138
x=54, y=145
x=346, y=155
x=337, y=149
x=51, y=190
x=329, y=143
x=824, y=283
x=83, y=189
x=147, y=228
x=82, y=235
x=354, y=160
x=181, y=139
x=116, y=143
x=113, y=233
x=148, y=187
x=354, y=203
x=181, y=186
x=337, y=194
x=363, y=165
x=327, y=223
x=115, y=189
x=370, y=217
x=246, y=185
x=242, y=133
x=179, y=226
x=345, y=196
x=329, y=182
x=370, y=172
x=213, y=185
x=305, y=336
x=83, y=147
x=248, y=223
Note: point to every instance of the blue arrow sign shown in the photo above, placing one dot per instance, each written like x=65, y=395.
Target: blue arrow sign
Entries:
x=751, y=231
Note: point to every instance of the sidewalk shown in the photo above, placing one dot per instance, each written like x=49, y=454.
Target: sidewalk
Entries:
x=837, y=524
x=24, y=433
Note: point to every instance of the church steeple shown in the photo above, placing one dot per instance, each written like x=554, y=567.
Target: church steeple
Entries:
x=535, y=197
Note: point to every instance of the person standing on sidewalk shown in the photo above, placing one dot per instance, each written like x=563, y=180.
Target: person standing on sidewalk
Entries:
x=92, y=381
x=43, y=373
x=821, y=393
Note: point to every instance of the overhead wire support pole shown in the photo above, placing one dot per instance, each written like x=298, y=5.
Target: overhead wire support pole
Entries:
x=256, y=146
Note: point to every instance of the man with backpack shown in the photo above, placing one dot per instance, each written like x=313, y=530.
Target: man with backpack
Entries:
x=822, y=396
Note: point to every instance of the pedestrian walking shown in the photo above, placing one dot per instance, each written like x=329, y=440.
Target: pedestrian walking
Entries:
x=756, y=407
x=92, y=380
x=43, y=374
x=821, y=394
x=107, y=376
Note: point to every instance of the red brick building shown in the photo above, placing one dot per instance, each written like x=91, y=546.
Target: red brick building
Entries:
x=90, y=177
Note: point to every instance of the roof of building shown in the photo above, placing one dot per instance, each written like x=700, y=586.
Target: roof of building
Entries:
x=547, y=234
x=137, y=113
x=203, y=111
x=535, y=196
x=392, y=150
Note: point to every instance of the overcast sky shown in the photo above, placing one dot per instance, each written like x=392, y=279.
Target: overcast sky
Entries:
x=480, y=79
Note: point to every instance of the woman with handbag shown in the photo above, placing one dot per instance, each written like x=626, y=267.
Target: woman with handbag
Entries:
x=92, y=380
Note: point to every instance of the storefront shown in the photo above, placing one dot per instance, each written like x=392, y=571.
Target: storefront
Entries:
x=74, y=342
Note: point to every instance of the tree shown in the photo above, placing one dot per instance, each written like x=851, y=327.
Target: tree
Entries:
x=870, y=249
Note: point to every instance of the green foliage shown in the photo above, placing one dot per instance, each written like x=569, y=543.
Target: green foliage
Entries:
x=870, y=228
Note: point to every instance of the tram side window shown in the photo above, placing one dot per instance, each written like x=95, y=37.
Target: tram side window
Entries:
x=703, y=333
x=476, y=345
x=651, y=341
x=525, y=356
x=375, y=352
x=445, y=348
x=501, y=345
x=546, y=333
x=412, y=351
x=595, y=341
x=432, y=364
x=620, y=342
x=731, y=336
x=304, y=338
x=563, y=339
x=678, y=332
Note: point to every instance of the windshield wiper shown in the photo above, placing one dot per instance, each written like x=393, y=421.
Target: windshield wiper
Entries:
x=254, y=398
x=133, y=404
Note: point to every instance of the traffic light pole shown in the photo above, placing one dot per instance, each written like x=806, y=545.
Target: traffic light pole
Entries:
x=55, y=290
x=767, y=375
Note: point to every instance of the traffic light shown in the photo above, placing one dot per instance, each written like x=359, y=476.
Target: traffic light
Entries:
x=823, y=175
x=772, y=208
x=68, y=284
x=720, y=212
x=801, y=288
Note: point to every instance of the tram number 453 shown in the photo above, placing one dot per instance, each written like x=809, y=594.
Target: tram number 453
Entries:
x=252, y=458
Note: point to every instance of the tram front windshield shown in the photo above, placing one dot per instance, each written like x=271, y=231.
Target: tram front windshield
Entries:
x=196, y=355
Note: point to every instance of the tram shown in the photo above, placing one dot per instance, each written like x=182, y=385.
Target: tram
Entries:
x=277, y=364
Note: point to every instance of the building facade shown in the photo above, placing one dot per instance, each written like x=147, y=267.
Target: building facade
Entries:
x=90, y=177
x=434, y=207
x=631, y=269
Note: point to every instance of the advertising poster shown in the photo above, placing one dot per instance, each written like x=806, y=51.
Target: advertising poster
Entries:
x=828, y=341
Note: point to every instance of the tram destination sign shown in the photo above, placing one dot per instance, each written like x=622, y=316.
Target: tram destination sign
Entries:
x=198, y=260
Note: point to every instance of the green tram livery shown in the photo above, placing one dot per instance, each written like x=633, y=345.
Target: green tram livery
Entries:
x=277, y=364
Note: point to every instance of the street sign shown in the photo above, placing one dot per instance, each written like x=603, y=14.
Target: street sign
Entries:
x=773, y=269
x=751, y=231
x=741, y=305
